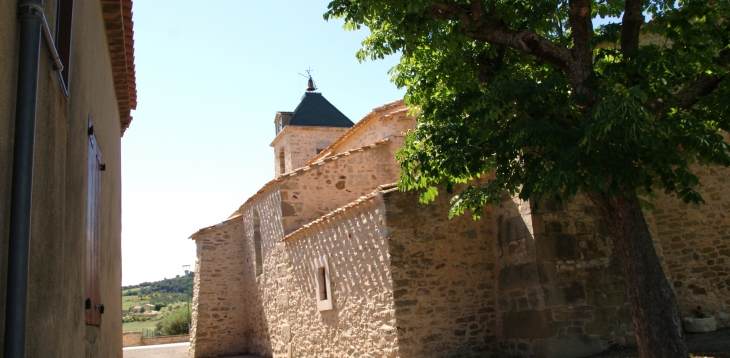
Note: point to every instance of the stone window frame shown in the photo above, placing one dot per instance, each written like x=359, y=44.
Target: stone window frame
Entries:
x=323, y=295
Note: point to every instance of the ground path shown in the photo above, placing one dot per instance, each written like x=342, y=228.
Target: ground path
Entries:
x=712, y=345
x=174, y=350
x=715, y=344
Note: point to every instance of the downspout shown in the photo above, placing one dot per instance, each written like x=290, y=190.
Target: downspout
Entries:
x=31, y=21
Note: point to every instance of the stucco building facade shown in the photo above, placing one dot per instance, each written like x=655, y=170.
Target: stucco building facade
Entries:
x=329, y=259
x=75, y=220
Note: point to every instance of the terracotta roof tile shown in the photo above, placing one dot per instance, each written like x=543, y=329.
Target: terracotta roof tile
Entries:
x=120, y=36
x=212, y=227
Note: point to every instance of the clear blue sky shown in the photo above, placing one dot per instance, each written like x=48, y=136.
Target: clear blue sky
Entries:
x=210, y=77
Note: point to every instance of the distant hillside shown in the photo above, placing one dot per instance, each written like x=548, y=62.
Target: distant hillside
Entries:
x=179, y=284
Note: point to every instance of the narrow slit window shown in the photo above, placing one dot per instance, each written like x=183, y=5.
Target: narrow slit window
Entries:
x=322, y=276
x=258, y=260
x=282, y=161
x=324, y=288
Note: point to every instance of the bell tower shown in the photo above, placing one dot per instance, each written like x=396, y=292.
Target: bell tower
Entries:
x=309, y=129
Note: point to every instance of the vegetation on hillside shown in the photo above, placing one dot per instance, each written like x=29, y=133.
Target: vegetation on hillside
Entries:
x=169, y=297
x=179, y=284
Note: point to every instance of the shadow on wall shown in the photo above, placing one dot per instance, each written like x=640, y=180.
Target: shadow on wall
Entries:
x=361, y=321
x=443, y=273
x=262, y=230
x=560, y=293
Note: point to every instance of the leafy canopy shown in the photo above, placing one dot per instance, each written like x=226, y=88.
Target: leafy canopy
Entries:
x=532, y=96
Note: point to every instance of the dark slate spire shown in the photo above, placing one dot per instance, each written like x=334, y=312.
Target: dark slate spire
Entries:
x=314, y=110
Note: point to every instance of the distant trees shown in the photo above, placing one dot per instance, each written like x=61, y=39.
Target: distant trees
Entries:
x=180, y=284
x=173, y=319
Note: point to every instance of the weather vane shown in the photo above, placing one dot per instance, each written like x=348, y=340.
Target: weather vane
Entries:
x=310, y=82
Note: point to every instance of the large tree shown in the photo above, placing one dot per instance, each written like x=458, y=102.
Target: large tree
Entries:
x=549, y=105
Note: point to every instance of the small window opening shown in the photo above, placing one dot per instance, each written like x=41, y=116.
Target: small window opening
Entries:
x=322, y=275
x=259, y=260
x=282, y=161
x=324, y=289
x=322, y=145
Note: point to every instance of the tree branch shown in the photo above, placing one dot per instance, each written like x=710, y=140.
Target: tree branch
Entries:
x=689, y=96
x=579, y=16
x=631, y=26
x=472, y=21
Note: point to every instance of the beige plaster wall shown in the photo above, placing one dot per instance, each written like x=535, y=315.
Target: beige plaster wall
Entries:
x=444, y=285
x=695, y=242
x=56, y=325
x=335, y=182
x=300, y=144
x=218, y=313
x=362, y=322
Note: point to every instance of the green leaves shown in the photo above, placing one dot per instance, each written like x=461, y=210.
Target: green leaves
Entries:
x=502, y=119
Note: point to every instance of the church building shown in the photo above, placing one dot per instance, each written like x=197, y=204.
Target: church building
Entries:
x=329, y=259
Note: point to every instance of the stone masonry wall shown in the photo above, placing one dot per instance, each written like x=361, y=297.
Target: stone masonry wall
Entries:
x=387, y=121
x=560, y=289
x=443, y=276
x=393, y=123
x=300, y=144
x=695, y=240
x=335, y=182
x=131, y=339
x=264, y=313
x=218, y=313
x=362, y=321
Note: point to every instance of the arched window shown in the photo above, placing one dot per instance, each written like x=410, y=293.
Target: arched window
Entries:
x=322, y=145
x=259, y=259
x=282, y=161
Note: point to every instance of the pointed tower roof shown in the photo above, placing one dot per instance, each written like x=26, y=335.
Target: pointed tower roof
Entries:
x=315, y=110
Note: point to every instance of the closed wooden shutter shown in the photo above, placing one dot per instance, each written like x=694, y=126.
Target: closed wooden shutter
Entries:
x=94, y=307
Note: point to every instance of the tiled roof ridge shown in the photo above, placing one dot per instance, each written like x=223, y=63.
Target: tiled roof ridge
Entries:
x=350, y=132
x=120, y=38
x=303, y=169
x=378, y=192
x=208, y=228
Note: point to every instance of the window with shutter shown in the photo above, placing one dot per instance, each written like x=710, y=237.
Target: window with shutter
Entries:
x=94, y=307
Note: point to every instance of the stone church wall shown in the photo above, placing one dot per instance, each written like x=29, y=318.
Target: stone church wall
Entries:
x=333, y=183
x=264, y=314
x=300, y=144
x=361, y=322
x=560, y=290
x=218, y=311
x=695, y=240
x=444, y=288
x=392, y=122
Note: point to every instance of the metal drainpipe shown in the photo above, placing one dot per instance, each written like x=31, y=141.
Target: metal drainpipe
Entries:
x=31, y=20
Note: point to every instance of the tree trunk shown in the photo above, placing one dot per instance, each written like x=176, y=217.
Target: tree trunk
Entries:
x=653, y=306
